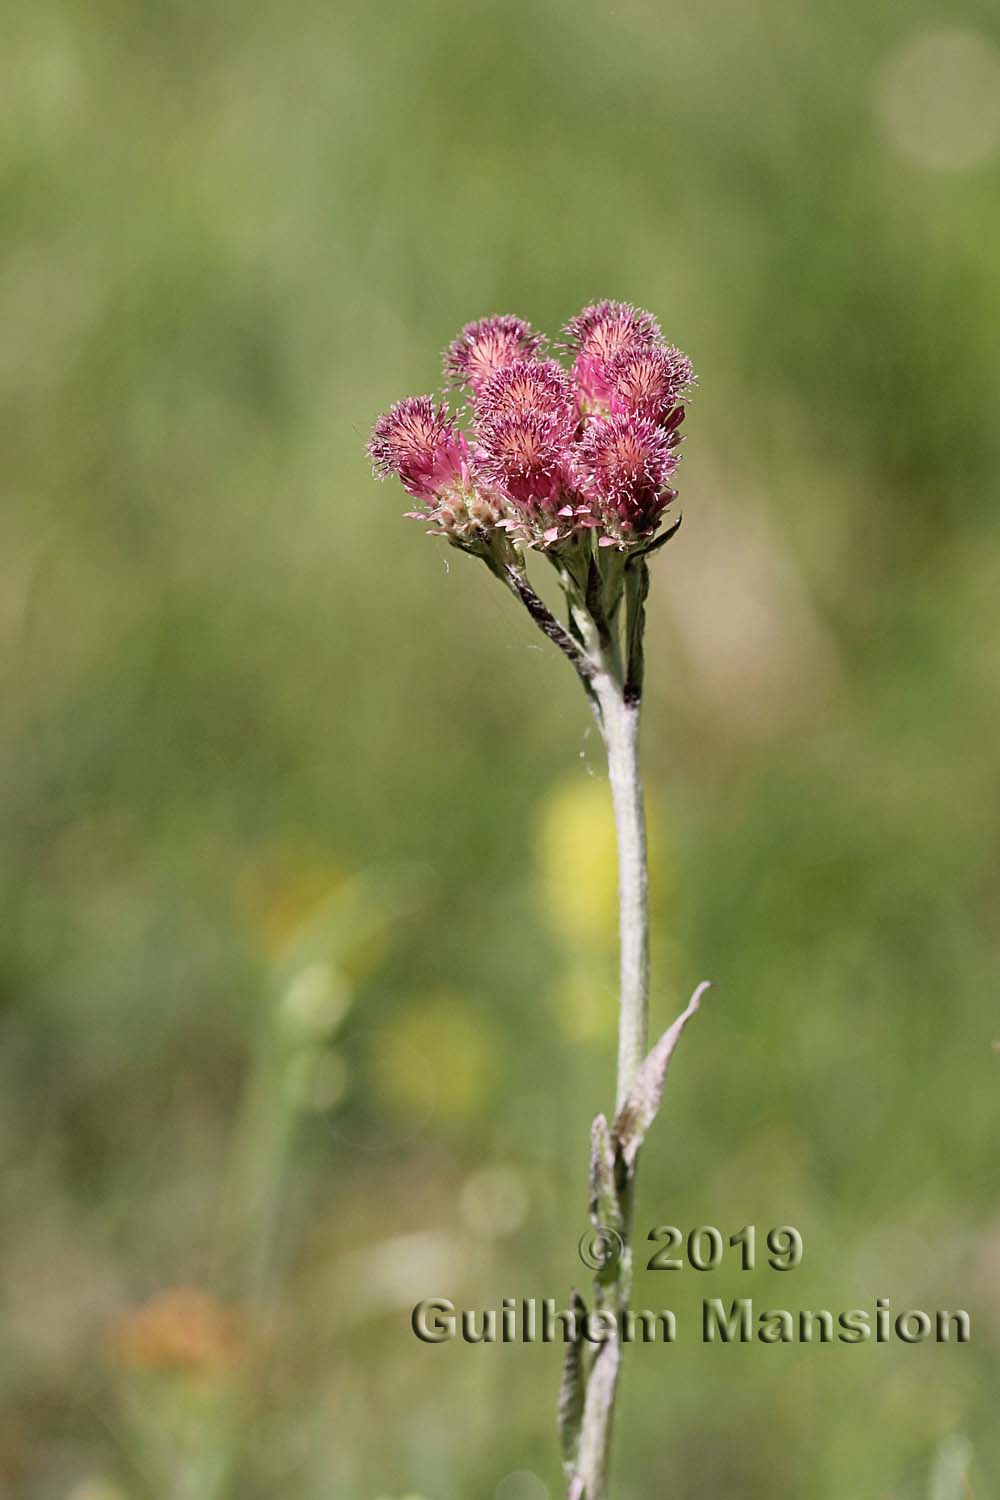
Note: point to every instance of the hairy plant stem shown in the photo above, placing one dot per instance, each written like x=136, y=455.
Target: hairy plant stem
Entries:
x=619, y=718
x=606, y=651
x=620, y=727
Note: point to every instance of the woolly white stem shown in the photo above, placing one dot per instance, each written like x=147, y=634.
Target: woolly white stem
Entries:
x=619, y=719
x=620, y=723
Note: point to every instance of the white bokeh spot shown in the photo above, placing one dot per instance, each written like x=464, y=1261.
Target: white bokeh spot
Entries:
x=939, y=99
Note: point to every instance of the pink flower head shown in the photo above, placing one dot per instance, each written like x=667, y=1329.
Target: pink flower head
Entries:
x=602, y=332
x=625, y=461
x=524, y=454
x=418, y=441
x=648, y=382
x=489, y=345
x=540, y=386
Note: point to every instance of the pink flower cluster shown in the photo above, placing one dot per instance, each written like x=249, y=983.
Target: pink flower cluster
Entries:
x=551, y=452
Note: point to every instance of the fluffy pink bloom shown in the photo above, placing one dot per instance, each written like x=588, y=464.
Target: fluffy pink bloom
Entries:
x=603, y=332
x=551, y=455
x=624, y=464
x=419, y=441
x=524, y=454
x=540, y=386
x=607, y=328
x=489, y=345
x=648, y=382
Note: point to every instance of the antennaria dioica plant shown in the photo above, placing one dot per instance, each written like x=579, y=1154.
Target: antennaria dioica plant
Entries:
x=575, y=464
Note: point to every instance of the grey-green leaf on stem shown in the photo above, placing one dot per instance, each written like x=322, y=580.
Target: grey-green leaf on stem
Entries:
x=573, y=1389
x=590, y=1478
x=643, y=1100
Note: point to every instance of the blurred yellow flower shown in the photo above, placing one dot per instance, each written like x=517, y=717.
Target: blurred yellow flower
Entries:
x=578, y=863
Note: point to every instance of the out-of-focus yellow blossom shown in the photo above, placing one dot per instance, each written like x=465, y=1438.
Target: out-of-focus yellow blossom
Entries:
x=578, y=862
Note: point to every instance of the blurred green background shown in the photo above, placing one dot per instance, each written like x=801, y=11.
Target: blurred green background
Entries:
x=307, y=963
